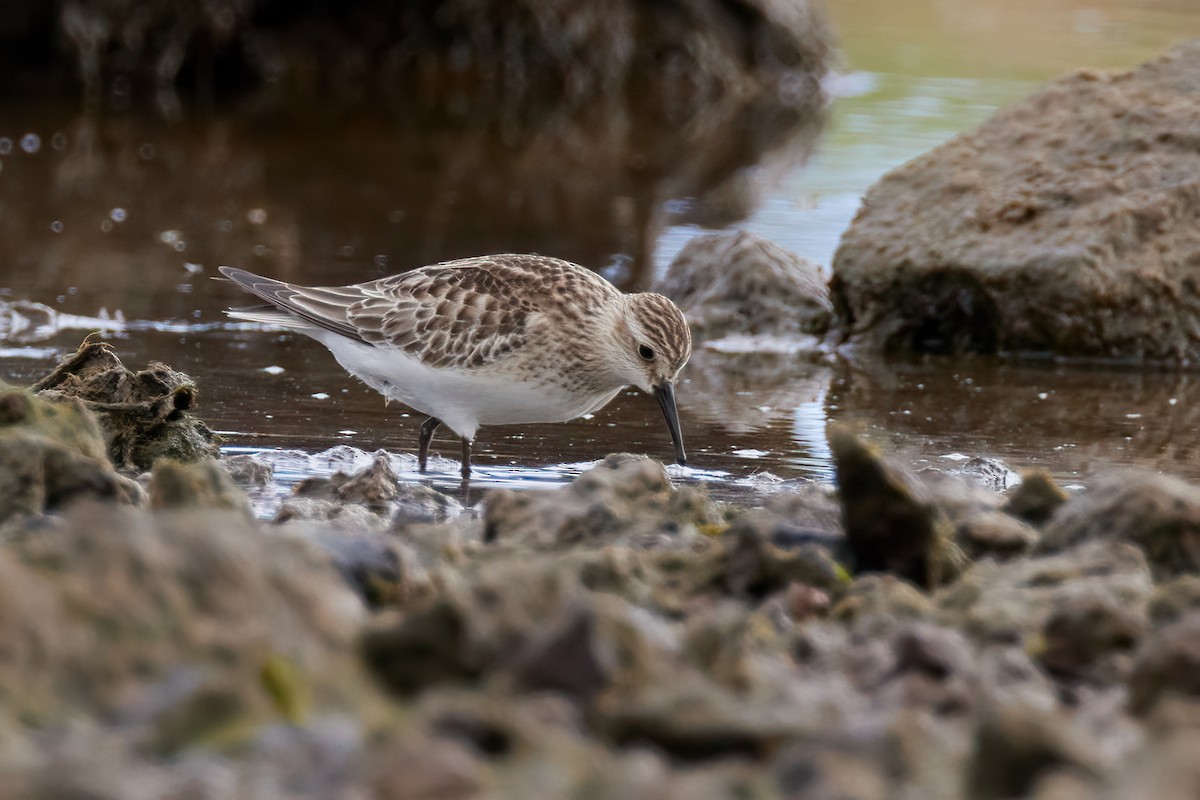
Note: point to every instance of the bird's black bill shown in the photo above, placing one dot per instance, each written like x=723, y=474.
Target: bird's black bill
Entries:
x=666, y=398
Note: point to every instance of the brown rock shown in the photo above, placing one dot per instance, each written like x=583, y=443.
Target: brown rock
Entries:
x=1036, y=498
x=890, y=520
x=1168, y=663
x=1015, y=747
x=1091, y=636
x=1066, y=224
x=52, y=454
x=1010, y=601
x=203, y=484
x=144, y=416
x=1174, y=600
x=109, y=610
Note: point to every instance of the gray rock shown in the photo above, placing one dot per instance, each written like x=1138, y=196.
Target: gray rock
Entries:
x=1168, y=664
x=741, y=283
x=1158, y=513
x=1011, y=601
x=625, y=498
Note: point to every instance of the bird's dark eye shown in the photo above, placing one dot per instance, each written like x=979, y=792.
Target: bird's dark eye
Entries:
x=646, y=353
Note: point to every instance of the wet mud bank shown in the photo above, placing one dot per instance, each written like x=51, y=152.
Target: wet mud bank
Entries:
x=624, y=635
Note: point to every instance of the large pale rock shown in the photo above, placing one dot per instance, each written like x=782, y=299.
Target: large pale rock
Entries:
x=1067, y=223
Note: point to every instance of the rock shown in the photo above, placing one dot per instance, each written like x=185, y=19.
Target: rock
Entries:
x=692, y=719
x=384, y=571
x=825, y=771
x=890, y=520
x=809, y=514
x=348, y=517
x=623, y=499
x=377, y=489
x=741, y=283
x=200, y=485
x=177, y=624
x=1158, y=513
x=1167, y=664
x=882, y=596
x=248, y=471
x=1064, y=224
x=429, y=769
x=51, y=454
x=1166, y=768
x=1091, y=637
x=1011, y=601
x=568, y=659
x=1174, y=600
x=755, y=567
x=1036, y=498
x=144, y=416
x=993, y=533
x=1017, y=746
x=427, y=647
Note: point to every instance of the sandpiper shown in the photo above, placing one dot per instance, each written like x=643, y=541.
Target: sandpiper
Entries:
x=493, y=340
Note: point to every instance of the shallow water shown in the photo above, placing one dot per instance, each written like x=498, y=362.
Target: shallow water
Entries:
x=132, y=215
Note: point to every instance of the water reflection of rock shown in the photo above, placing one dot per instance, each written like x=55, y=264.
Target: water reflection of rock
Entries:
x=1074, y=420
x=125, y=201
x=745, y=392
x=456, y=156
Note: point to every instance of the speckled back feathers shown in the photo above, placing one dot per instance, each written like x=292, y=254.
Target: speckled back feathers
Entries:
x=464, y=314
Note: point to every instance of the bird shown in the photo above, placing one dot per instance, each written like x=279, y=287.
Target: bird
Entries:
x=491, y=340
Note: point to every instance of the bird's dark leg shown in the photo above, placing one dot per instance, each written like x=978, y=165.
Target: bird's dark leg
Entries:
x=427, y=428
x=466, y=458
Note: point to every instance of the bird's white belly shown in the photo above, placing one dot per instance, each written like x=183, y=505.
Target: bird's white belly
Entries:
x=462, y=401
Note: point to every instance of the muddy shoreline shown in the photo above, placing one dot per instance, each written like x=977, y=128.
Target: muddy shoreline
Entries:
x=892, y=634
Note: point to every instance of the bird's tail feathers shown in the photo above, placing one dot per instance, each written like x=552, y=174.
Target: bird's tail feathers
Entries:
x=269, y=315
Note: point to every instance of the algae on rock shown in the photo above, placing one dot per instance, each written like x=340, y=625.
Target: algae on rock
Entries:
x=144, y=416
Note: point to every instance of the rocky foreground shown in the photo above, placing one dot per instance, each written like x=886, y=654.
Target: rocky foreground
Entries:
x=897, y=635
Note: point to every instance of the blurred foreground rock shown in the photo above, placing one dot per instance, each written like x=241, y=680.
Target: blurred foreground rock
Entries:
x=51, y=454
x=896, y=635
x=1065, y=224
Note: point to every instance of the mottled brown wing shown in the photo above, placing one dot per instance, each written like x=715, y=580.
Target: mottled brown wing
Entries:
x=469, y=313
